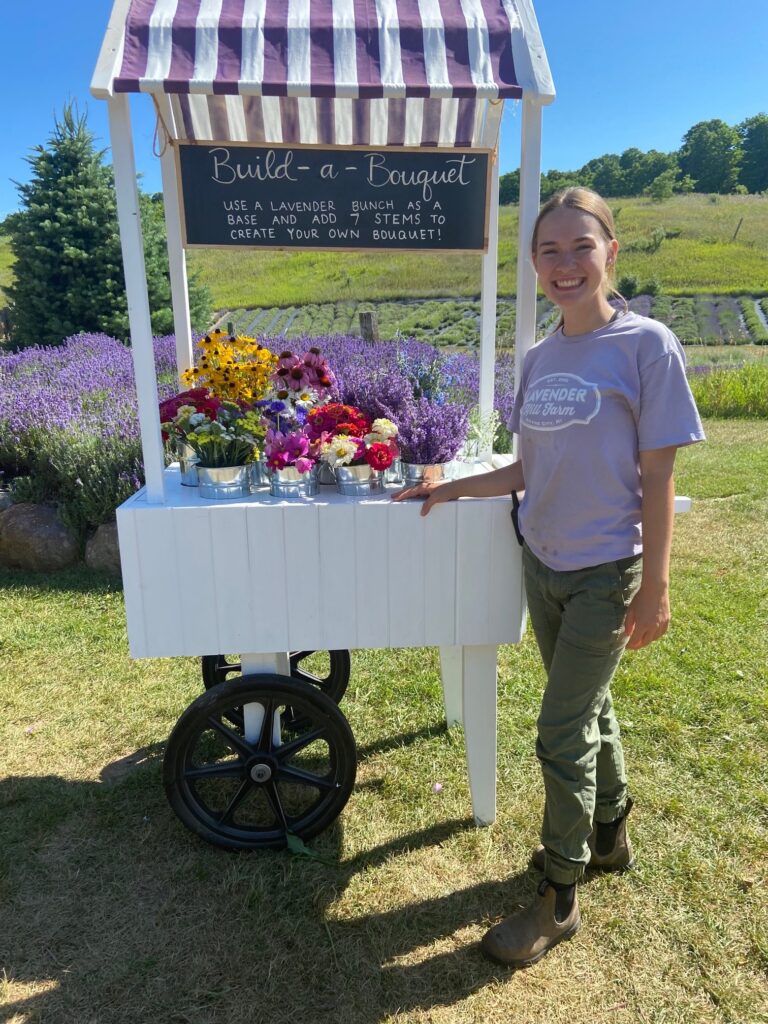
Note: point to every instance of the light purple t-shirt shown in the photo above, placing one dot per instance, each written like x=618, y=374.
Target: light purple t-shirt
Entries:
x=586, y=406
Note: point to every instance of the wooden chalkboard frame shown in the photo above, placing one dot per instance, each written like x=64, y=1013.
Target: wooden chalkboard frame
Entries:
x=492, y=155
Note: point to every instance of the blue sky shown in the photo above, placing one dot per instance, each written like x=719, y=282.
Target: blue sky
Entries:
x=626, y=74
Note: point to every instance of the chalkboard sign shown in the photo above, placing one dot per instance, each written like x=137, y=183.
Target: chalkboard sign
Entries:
x=280, y=197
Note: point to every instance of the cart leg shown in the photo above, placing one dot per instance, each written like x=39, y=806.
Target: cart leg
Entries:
x=253, y=714
x=479, y=707
x=451, y=675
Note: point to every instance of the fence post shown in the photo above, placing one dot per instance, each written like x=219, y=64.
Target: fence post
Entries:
x=369, y=326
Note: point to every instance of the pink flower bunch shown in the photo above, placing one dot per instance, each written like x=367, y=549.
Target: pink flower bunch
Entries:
x=291, y=448
x=301, y=373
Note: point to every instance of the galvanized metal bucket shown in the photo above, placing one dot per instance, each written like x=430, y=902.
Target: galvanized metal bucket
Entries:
x=417, y=473
x=325, y=474
x=290, y=483
x=359, y=481
x=224, y=481
x=188, y=461
x=394, y=475
x=259, y=476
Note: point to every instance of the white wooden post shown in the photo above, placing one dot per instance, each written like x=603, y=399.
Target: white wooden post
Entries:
x=530, y=175
x=129, y=220
x=479, y=715
x=488, y=291
x=452, y=677
x=177, y=262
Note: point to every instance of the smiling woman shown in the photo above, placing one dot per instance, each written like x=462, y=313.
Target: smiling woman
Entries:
x=602, y=406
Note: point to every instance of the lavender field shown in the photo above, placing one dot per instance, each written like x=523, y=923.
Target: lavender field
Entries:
x=69, y=431
x=455, y=324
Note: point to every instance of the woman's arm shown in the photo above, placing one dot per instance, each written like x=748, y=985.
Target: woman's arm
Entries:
x=482, y=485
x=648, y=615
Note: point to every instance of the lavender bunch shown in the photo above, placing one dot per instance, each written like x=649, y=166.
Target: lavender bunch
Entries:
x=431, y=432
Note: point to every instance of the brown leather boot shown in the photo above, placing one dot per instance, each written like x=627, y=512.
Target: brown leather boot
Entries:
x=523, y=938
x=609, y=846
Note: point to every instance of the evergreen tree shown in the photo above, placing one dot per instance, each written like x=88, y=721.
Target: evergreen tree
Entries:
x=68, y=264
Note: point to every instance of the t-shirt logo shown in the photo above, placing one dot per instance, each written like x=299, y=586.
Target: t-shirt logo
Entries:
x=559, y=400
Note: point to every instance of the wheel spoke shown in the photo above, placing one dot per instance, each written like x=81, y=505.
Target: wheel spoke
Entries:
x=228, y=770
x=273, y=798
x=308, y=677
x=242, y=792
x=265, y=741
x=289, y=749
x=238, y=744
x=296, y=656
x=235, y=716
x=291, y=774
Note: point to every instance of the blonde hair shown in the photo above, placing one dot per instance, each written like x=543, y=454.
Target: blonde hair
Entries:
x=584, y=199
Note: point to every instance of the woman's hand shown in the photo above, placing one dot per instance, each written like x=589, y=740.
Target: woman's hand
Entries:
x=434, y=493
x=647, y=616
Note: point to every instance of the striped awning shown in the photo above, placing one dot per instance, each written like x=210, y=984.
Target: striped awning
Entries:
x=391, y=72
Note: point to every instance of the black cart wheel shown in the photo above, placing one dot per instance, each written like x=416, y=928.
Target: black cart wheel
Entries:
x=239, y=780
x=329, y=671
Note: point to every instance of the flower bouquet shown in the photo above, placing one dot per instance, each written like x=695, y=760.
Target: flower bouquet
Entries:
x=357, y=449
x=298, y=383
x=232, y=367
x=225, y=444
x=305, y=379
x=431, y=434
x=201, y=401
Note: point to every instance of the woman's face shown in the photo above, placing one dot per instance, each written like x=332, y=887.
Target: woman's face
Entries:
x=571, y=258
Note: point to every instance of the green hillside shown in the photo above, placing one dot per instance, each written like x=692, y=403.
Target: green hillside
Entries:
x=686, y=244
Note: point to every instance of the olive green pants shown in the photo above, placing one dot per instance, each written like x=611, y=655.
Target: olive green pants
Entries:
x=578, y=621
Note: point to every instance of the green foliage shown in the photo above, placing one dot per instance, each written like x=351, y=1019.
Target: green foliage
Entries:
x=68, y=263
x=509, y=188
x=662, y=187
x=85, y=477
x=627, y=286
x=754, y=146
x=757, y=329
x=158, y=275
x=728, y=394
x=710, y=154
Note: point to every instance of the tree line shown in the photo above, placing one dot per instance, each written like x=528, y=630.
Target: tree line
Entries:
x=713, y=157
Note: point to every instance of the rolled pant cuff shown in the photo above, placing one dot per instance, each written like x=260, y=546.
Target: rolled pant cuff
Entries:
x=609, y=813
x=562, y=871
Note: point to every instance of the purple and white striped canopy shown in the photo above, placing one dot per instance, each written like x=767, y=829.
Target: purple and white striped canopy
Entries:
x=340, y=72
x=358, y=49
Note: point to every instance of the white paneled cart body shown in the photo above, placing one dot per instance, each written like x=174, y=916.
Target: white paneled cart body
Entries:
x=260, y=576
x=264, y=575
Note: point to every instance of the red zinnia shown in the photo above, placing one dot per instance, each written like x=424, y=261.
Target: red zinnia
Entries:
x=378, y=456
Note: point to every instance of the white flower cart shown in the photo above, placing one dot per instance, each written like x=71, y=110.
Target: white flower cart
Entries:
x=265, y=751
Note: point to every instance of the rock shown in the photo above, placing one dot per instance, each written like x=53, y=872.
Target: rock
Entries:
x=31, y=537
x=102, y=551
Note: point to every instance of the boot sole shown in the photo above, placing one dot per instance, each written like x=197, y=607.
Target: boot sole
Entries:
x=520, y=964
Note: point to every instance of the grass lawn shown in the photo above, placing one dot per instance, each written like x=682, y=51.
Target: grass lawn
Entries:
x=714, y=245
x=114, y=914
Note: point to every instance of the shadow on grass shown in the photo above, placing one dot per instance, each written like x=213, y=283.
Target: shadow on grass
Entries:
x=77, y=579
x=114, y=913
